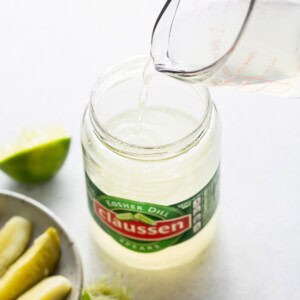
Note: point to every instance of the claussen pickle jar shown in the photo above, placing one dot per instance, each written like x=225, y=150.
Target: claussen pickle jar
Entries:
x=152, y=167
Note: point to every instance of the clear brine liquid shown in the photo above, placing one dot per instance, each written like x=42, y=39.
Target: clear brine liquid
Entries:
x=151, y=126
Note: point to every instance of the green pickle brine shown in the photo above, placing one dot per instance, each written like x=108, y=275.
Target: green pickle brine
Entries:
x=151, y=148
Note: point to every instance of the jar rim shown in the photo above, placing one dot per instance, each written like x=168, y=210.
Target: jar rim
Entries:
x=139, y=152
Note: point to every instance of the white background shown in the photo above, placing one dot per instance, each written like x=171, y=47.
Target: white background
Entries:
x=51, y=53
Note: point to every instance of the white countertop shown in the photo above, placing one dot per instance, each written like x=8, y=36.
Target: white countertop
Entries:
x=51, y=53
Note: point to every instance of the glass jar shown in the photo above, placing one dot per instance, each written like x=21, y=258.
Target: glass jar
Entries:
x=152, y=169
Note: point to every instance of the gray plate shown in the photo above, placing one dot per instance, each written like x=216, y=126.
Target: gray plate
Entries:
x=12, y=204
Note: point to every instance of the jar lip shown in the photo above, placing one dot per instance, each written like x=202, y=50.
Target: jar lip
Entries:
x=146, y=152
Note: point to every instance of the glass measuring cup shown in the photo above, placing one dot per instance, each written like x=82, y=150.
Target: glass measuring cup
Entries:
x=247, y=44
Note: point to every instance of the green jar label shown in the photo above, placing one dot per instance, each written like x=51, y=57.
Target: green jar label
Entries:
x=147, y=227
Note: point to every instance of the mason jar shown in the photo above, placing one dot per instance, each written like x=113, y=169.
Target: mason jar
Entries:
x=152, y=167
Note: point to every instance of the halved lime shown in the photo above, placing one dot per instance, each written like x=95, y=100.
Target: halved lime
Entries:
x=36, y=156
x=105, y=290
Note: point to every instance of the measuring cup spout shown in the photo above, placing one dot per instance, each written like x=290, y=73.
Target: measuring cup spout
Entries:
x=252, y=45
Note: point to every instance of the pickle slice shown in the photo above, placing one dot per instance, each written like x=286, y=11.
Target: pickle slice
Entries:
x=14, y=237
x=144, y=219
x=51, y=288
x=35, y=264
x=125, y=217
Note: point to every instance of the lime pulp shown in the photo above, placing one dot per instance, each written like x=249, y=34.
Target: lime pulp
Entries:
x=36, y=156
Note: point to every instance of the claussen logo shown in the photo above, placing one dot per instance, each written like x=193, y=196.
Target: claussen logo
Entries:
x=141, y=227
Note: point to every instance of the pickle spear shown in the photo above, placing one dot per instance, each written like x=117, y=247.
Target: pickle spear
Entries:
x=125, y=217
x=144, y=219
x=35, y=264
x=14, y=237
x=51, y=288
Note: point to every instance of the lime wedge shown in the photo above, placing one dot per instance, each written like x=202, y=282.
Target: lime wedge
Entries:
x=14, y=237
x=36, y=156
x=35, y=264
x=104, y=290
x=51, y=288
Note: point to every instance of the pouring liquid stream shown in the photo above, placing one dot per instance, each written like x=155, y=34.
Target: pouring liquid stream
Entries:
x=148, y=74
